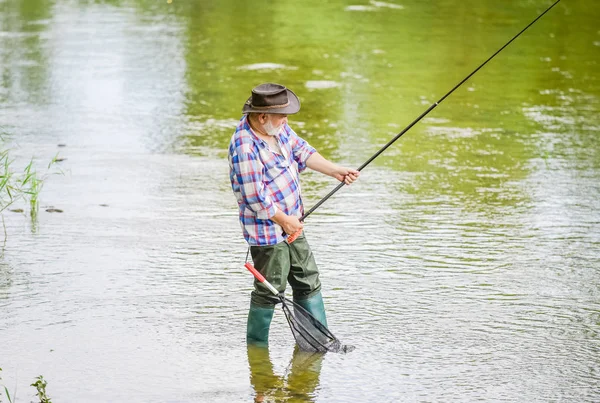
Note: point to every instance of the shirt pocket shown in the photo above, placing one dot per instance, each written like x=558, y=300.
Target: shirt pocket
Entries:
x=274, y=168
x=272, y=176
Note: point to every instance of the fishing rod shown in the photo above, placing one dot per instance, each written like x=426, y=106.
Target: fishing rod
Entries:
x=432, y=107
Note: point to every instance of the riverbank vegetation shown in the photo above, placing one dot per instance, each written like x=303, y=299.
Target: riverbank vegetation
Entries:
x=20, y=186
x=40, y=386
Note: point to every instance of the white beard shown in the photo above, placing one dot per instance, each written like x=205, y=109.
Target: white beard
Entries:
x=271, y=130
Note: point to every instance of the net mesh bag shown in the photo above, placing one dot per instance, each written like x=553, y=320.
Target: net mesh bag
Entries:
x=309, y=333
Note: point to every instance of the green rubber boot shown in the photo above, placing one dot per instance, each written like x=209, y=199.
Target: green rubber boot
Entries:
x=259, y=321
x=314, y=305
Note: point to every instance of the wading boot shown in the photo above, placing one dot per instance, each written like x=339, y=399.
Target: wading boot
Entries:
x=259, y=321
x=314, y=305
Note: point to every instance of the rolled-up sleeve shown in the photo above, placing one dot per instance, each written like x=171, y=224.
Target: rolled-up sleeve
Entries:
x=249, y=174
x=300, y=148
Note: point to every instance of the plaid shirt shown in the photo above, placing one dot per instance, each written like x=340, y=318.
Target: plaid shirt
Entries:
x=264, y=181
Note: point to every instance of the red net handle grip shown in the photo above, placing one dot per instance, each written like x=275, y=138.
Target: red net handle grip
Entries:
x=261, y=278
x=255, y=272
x=294, y=236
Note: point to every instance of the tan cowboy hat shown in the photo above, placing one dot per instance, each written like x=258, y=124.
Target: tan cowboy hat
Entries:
x=272, y=98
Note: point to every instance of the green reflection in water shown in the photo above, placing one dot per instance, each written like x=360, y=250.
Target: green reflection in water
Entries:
x=23, y=59
x=363, y=73
x=362, y=76
x=297, y=384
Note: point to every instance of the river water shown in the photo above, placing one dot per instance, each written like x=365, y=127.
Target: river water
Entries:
x=464, y=265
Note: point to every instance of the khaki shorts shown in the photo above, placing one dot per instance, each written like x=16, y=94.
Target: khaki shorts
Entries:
x=283, y=263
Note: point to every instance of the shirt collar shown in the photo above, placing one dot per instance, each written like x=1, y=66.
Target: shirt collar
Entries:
x=257, y=140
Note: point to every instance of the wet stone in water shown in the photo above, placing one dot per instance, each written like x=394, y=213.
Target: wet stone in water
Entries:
x=54, y=210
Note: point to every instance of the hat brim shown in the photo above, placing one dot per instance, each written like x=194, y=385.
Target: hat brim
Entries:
x=292, y=108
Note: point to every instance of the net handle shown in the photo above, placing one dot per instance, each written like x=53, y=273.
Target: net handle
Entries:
x=260, y=278
x=291, y=238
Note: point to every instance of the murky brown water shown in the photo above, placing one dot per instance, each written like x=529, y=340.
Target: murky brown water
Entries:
x=464, y=265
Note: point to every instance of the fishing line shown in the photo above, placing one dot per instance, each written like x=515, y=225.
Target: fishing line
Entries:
x=432, y=107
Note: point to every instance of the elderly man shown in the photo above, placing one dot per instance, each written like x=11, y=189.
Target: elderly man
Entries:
x=265, y=159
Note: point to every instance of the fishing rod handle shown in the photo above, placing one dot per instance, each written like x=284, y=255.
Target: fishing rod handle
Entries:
x=261, y=278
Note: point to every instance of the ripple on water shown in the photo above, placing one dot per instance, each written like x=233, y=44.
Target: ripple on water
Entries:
x=374, y=6
x=360, y=8
x=447, y=297
x=321, y=84
x=266, y=66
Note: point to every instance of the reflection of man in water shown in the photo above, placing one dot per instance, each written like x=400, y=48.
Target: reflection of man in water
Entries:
x=298, y=383
x=265, y=159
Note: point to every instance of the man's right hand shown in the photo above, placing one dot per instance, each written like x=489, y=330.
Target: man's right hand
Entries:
x=290, y=224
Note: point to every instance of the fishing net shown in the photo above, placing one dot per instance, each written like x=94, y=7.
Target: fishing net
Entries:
x=310, y=334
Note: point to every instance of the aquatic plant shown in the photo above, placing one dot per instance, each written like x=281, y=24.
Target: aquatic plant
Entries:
x=6, y=391
x=24, y=186
x=40, y=384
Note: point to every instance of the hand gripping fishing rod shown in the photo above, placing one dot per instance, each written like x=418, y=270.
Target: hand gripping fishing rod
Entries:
x=293, y=237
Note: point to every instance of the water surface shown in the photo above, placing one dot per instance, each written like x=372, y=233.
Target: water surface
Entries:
x=464, y=265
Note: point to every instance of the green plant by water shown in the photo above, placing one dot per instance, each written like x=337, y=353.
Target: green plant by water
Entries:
x=5, y=391
x=20, y=186
x=39, y=384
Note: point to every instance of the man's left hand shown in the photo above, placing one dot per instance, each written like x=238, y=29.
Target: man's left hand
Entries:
x=346, y=175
